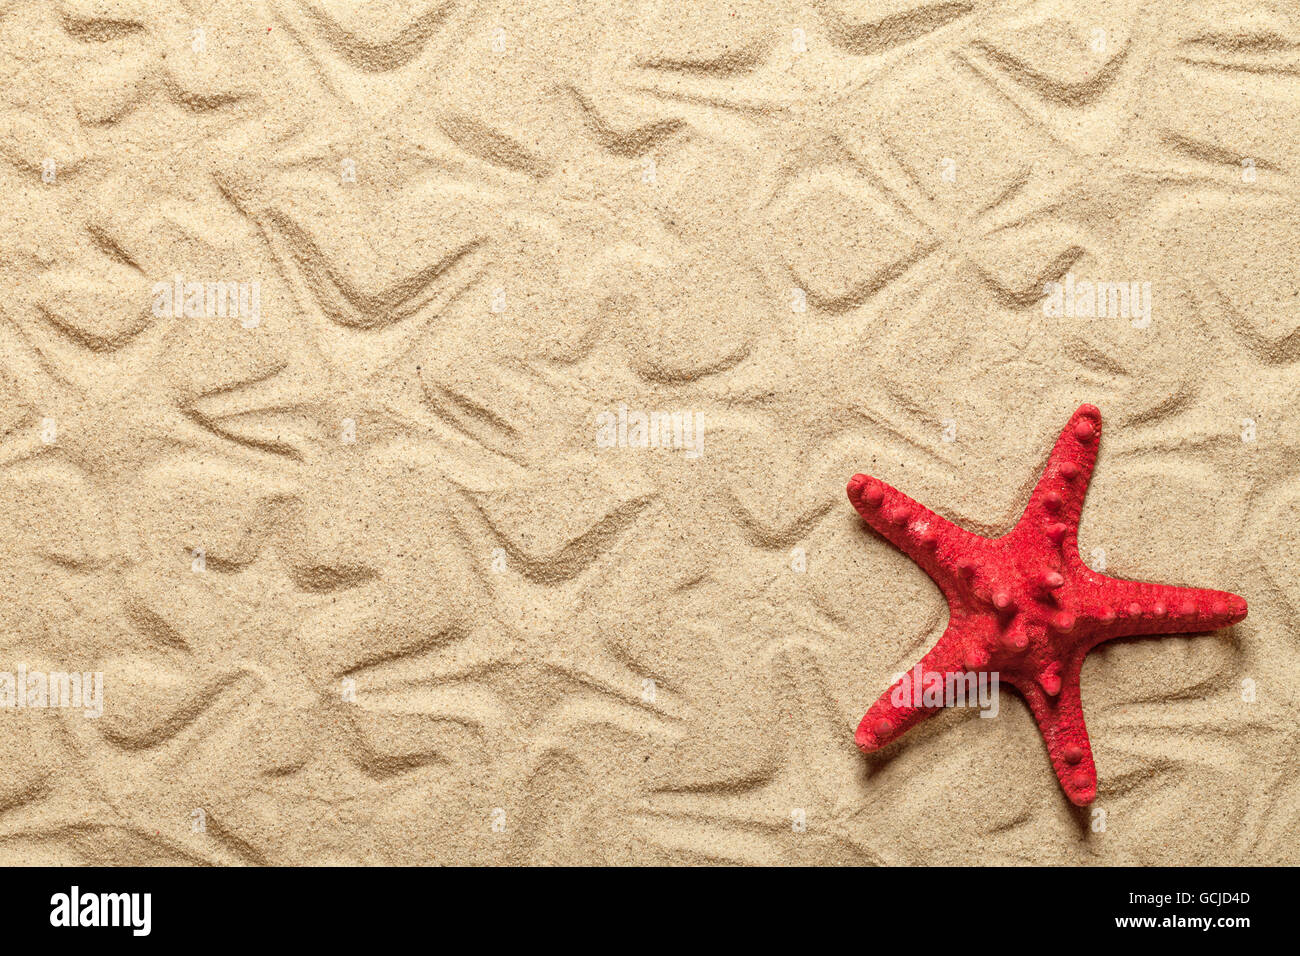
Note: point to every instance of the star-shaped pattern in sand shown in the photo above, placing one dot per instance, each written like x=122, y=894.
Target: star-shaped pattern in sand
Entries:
x=1024, y=605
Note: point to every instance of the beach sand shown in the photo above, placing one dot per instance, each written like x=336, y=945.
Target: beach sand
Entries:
x=326, y=336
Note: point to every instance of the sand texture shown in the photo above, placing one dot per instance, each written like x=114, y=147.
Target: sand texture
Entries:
x=361, y=536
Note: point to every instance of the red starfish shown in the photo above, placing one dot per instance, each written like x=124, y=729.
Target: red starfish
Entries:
x=1025, y=606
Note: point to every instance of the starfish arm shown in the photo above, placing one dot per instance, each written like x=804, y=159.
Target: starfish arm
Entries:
x=1139, y=607
x=936, y=544
x=1060, y=721
x=1057, y=500
x=898, y=709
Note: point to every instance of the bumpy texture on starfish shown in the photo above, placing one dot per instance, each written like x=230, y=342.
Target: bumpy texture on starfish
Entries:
x=1026, y=606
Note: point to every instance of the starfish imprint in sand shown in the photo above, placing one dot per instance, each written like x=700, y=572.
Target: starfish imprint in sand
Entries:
x=1025, y=605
